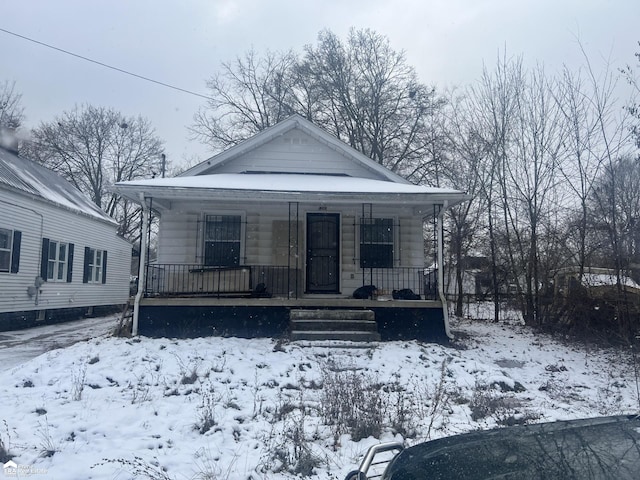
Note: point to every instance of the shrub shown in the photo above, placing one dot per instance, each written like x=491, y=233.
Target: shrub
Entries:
x=352, y=403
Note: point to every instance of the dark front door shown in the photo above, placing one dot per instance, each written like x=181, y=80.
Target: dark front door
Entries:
x=323, y=234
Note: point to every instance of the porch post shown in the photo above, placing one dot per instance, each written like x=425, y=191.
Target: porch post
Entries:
x=142, y=267
x=297, y=252
x=443, y=298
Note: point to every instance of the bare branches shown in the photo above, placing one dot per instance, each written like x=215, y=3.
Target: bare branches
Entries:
x=94, y=147
x=361, y=90
x=11, y=110
x=247, y=96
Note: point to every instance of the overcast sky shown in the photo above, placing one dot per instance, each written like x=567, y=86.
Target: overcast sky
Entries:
x=183, y=42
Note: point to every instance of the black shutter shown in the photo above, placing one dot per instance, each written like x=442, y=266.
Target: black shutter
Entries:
x=104, y=267
x=44, y=259
x=85, y=273
x=15, y=251
x=70, y=263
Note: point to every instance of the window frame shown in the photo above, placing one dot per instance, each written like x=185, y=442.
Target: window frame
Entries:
x=95, y=265
x=364, y=262
x=57, y=266
x=234, y=261
x=8, y=250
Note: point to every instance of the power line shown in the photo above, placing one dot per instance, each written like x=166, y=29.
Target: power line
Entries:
x=87, y=59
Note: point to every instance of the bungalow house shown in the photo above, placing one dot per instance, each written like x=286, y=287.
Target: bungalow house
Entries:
x=60, y=257
x=278, y=233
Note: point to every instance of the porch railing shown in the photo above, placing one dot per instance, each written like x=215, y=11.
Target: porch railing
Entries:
x=402, y=279
x=270, y=280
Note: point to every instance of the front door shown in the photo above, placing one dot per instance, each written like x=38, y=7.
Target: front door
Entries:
x=323, y=234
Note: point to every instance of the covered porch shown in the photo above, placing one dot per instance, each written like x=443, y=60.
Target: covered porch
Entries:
x=236, y=259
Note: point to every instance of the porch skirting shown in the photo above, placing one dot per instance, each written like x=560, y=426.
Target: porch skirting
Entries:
x=269, y=317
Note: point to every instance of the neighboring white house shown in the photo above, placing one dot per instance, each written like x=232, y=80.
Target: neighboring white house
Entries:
x=295, y=215
x=60, y=257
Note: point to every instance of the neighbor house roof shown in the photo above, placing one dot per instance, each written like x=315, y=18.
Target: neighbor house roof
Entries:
x=28, y=177
x=607, y=279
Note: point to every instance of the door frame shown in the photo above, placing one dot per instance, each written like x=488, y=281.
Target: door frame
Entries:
x=338, y=250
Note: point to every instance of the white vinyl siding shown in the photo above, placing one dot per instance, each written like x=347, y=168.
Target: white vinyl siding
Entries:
x=283, y=156
x=37, y=220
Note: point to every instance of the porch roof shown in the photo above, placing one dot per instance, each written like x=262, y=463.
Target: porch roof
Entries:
x=289, y=187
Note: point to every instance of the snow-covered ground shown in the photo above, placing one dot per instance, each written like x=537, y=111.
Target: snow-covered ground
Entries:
x=218, y=408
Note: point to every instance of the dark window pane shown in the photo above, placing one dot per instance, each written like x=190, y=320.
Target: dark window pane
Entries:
x=376, y=256
x=376, y=243
x=222, y=254
x=53, y=250
x=5, y=238
x=223, y=227
x=222, y=240
x=4, y=260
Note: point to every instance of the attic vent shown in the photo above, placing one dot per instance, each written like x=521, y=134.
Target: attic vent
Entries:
x=295, y=140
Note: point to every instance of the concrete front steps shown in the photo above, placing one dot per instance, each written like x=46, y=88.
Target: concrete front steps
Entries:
x=346, y=325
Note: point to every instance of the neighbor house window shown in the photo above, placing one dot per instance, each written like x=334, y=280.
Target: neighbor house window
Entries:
x=57, y=261
x=10, y=250
x=222, y=240
x=376, y=243
x=95, y=266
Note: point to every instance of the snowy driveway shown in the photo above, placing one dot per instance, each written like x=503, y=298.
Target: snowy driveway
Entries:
x=19, y=346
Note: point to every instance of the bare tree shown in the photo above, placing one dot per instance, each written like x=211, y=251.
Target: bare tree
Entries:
x=361, y=90
x=582, y=157
x=615, y=229
x=633, y=107
x=94, y=147
x=464, y=171
x=530, y=179
x=491, y=108
x=247, y=96
x=11, y=110
x=372, y=98
x=516, y=118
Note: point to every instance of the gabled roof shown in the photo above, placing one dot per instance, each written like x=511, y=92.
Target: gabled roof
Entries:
x=28, y=177
x=294, y=122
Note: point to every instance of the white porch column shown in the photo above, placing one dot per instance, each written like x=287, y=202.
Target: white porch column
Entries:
x=142, y=268
x=440, y=256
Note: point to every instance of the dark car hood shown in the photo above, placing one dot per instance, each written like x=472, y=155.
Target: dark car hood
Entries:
x=600, y=448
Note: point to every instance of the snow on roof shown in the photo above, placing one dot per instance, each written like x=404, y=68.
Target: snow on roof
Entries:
x=25, y=175
x=266, y=182
x=607, y=279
